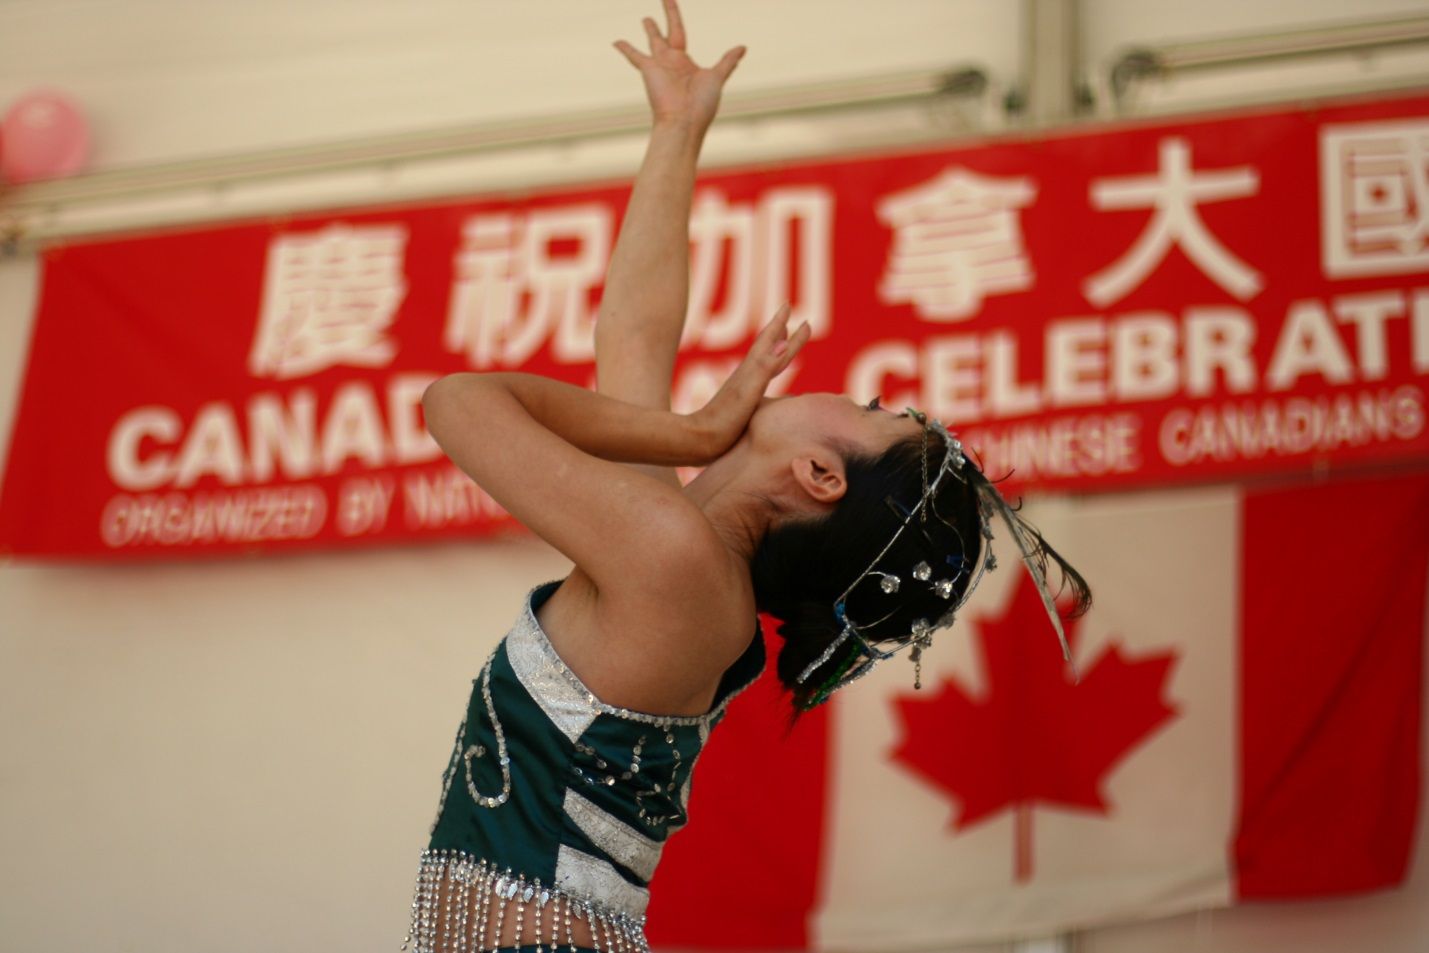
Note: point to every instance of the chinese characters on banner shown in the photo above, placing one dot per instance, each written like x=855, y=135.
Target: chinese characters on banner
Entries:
x=1197, y=300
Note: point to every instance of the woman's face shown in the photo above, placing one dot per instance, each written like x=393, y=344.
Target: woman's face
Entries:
x=833, y=418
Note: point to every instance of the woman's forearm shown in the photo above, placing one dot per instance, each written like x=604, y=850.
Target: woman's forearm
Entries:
x=647, y=284
x=460, y=406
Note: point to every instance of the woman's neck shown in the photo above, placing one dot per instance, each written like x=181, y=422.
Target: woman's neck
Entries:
x=728, y=491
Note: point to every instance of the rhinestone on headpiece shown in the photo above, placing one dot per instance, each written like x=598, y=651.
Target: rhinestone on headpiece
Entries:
x=922, y=572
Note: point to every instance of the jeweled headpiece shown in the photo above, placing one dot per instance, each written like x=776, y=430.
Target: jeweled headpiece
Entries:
x=943, y=579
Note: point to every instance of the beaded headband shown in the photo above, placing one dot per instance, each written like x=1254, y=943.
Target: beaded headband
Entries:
x=955, y=465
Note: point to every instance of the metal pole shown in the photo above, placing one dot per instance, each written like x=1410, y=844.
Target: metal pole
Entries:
x=1052, y=56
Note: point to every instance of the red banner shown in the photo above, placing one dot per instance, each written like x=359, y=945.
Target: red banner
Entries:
x=1187, y=300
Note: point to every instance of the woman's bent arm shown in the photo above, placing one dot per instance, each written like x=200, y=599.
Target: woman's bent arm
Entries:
x=461, y=408
x=544, y=450
x=531, y=444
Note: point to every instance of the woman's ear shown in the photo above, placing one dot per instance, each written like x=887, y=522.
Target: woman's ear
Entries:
x=820, y=474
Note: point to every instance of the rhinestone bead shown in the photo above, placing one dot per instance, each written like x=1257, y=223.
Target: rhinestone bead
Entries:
x=922, y=572
x=888, y=584
x=944, y=588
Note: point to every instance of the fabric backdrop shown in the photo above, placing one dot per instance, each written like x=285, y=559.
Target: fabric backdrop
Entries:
x=1115, y=308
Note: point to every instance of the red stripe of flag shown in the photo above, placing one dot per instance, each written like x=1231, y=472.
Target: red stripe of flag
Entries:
x=1332, y=634
x=744, y=874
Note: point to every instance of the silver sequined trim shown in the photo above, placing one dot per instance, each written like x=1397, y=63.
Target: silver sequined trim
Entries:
x=564, y=698
x=583, y=875
x=478, y=887
x=638, y=853
x=546, y=678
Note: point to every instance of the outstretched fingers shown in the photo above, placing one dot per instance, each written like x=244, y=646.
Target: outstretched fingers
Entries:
x=636, y=58
x=675, y=25
x=791, y=347
x=774, y=330
x=774, y=346
x=676, y=86
x=652, y=31
x=728, y=62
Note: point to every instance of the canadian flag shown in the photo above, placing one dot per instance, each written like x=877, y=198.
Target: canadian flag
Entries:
x=1246, y=726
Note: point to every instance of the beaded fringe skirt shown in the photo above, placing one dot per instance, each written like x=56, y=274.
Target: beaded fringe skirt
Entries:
x=477, y=896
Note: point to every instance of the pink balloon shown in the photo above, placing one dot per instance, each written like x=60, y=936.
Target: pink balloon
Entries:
x=44, y=136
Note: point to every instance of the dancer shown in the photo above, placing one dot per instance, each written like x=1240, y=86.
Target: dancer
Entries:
x=861, y=530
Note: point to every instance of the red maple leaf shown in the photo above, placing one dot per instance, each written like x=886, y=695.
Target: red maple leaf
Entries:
x=1037, y=737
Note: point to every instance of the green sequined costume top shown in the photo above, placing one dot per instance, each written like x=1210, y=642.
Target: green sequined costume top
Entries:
x=556, y=798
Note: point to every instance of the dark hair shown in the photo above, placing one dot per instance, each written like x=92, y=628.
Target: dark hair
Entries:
x=802, y=566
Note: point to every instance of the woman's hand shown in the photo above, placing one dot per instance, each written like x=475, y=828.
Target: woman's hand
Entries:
x=721, y=422
x=678, y=90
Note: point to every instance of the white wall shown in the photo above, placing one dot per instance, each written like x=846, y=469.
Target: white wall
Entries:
x=1111, y=28
x=168, y=79
x=244, y=754
x=1113, y=25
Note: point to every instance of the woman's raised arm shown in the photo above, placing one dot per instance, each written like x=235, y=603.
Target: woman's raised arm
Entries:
x=642, y=311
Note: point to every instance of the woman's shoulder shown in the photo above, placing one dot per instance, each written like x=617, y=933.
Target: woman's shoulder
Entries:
x=662, y=648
